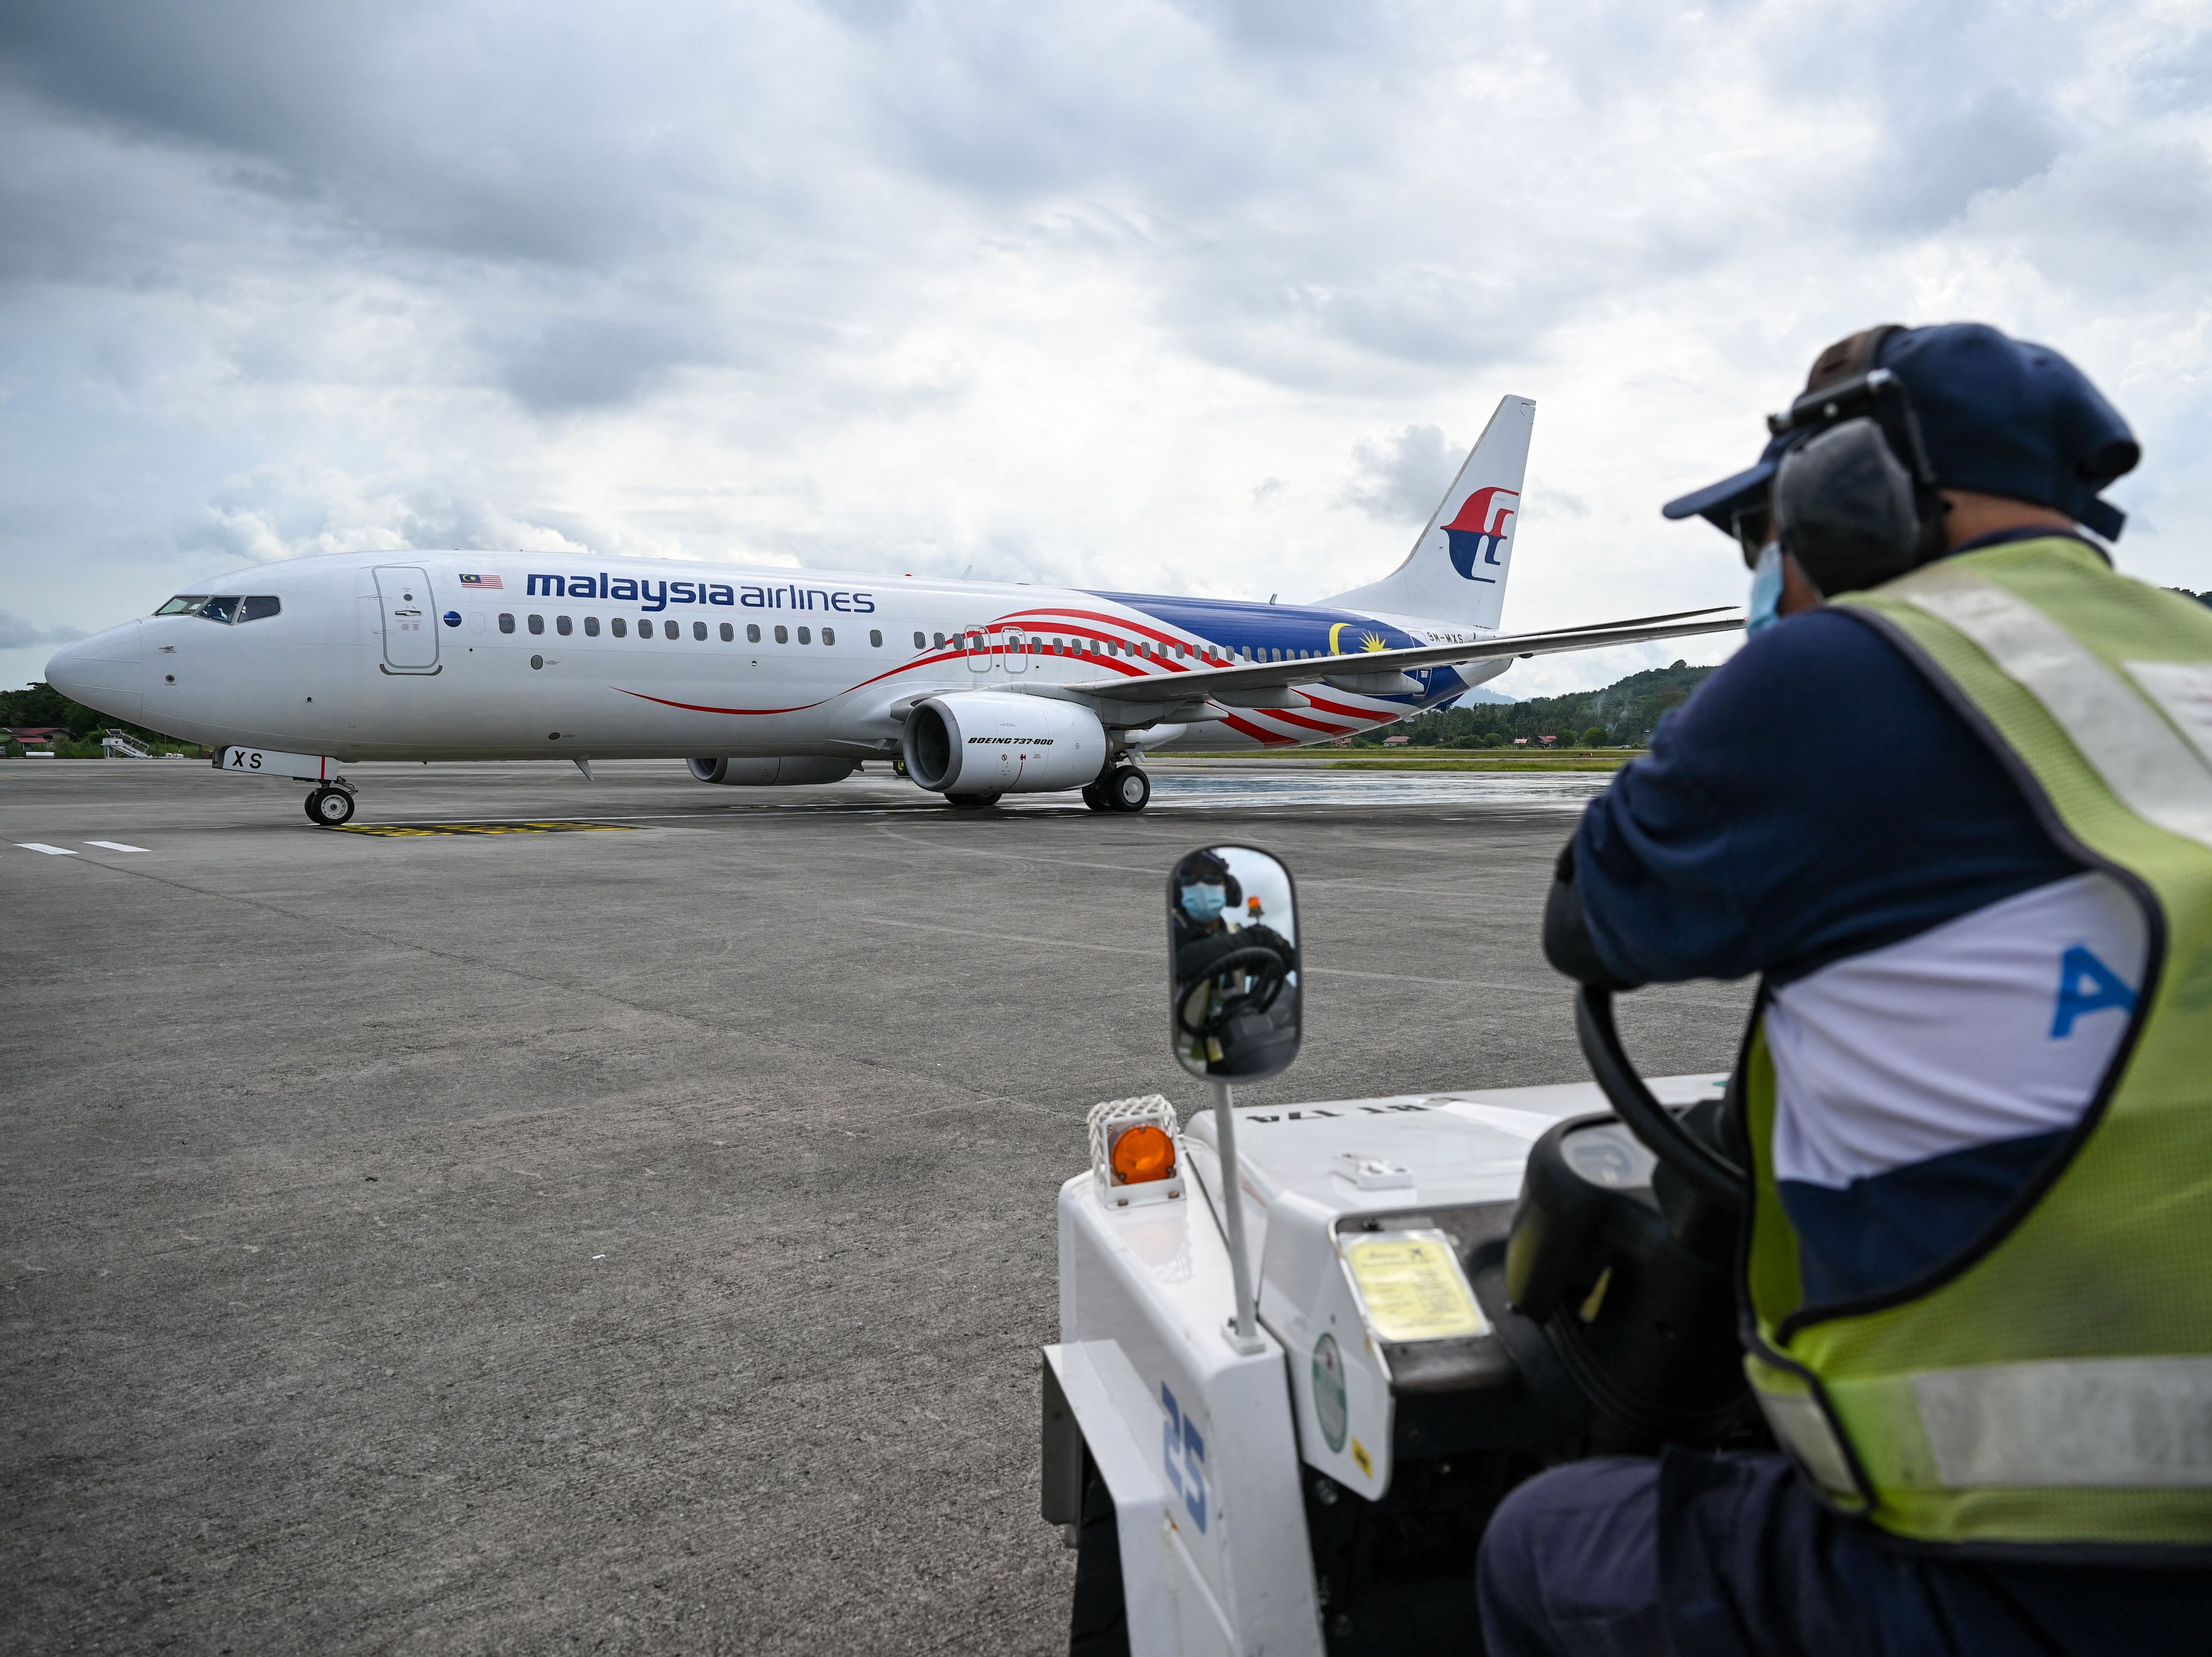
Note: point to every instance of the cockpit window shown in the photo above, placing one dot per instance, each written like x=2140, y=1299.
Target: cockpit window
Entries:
x=225, y=608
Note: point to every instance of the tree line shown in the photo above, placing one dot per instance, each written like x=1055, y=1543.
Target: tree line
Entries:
x=1622, y=715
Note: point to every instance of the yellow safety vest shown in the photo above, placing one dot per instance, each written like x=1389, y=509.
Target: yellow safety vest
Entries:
x=2049, y=1390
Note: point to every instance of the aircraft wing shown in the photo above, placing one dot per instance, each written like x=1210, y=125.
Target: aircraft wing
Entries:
x=1382, y=673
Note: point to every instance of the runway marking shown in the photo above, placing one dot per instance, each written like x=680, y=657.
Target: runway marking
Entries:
x=409, y=831
x=114, y=845
x=50, y=851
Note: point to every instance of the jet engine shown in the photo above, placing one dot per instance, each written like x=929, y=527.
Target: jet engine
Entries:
x=766, y=773
x=989, y=742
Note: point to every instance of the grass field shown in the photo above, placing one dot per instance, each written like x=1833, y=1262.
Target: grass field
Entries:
x=1450, y=759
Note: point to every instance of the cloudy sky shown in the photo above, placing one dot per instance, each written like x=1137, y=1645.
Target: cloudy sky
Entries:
x=1183, y=296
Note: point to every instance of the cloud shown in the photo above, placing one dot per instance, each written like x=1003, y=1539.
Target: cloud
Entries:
x=1100, y=293
x=1935, y=164
x=16, y=634
x=1401, y=478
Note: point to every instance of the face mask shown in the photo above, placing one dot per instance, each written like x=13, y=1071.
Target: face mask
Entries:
x=1203, y=903
x=1765, y=589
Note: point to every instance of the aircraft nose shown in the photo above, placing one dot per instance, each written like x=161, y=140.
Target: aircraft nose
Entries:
x=106, y=671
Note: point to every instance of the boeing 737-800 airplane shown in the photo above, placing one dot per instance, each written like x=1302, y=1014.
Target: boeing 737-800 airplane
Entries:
x=759, y=676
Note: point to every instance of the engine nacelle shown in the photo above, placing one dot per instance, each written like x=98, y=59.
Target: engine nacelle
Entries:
x=769, y=773
x=988, y=742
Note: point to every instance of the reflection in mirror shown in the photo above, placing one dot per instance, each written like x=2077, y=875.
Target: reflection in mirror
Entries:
x=1233, y=935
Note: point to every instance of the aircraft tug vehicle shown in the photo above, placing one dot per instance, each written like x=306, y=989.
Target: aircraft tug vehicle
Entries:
x=1287, y=1399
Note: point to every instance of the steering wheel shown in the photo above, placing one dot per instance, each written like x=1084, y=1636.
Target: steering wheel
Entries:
x=1661, y=1132
x=1269, y=973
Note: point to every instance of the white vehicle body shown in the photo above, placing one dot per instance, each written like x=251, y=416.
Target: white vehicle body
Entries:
x=1205, y=1450
x=782, y=676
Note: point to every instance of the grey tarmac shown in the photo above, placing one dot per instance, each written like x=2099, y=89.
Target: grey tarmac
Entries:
x=636, y=1240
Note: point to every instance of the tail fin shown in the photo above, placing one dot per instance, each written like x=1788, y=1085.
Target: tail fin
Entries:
x=1456, y=571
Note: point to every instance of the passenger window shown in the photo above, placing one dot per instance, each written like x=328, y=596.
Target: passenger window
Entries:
x=829, y=635
x=805, y=637
x=563, y=625
x=538, y=624
x=941, y=640
x=876, y=637
x=670, y=630
x=185, y=603
x=729, y=633
x=262, y=606
x=752, y=632
x=619, y=628
x=699, y=631
x=920, y=641
x=782, y=635
x=591, y=626
x=506, y=623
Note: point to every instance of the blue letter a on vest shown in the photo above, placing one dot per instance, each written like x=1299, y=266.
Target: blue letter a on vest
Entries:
x=2087, y=985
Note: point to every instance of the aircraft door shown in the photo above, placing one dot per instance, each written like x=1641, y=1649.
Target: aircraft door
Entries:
x=1016, y=645
x=977, y=645
x=411, y=619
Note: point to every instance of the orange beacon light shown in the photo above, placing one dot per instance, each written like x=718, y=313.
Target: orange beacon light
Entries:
x=1142, y=1154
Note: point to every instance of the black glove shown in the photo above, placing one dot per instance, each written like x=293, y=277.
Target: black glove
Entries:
x=1567, y=943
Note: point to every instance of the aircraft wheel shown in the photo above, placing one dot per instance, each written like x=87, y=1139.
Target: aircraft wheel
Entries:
x=970, y=802
x=1127, y=789
x=1094, y=797
x=329, y=807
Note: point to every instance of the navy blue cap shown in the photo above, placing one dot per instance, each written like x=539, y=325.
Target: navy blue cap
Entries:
x=1719, y=503
x=1998, y=416
x=2003, y=416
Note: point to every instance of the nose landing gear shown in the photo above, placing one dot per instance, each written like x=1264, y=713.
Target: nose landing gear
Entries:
x=331, y=805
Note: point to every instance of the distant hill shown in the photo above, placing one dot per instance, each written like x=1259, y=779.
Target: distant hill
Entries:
x=1625, y=712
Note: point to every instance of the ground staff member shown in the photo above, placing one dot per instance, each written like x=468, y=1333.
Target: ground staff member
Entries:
x=1960, y=817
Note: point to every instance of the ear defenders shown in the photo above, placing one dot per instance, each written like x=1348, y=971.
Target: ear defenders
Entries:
x=1854, y=493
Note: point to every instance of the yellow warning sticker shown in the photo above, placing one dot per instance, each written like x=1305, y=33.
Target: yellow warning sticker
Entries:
x=412, y=830
x=1411, y=1286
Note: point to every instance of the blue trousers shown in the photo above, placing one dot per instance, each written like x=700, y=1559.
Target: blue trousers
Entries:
x=1732, y=1556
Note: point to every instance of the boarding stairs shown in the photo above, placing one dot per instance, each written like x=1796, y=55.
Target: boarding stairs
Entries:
x=115, y=745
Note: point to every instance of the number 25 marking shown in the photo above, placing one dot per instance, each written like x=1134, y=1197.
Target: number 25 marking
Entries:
x=1182, y=1455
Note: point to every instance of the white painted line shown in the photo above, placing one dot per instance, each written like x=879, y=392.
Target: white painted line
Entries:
x=114, y=845
x=50, y=851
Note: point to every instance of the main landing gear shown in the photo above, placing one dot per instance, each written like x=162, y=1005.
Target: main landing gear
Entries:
x=1119, y=788
x=970, y=802
x=328, y=807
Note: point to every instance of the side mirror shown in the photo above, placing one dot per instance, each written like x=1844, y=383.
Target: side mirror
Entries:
x=1234, y=1003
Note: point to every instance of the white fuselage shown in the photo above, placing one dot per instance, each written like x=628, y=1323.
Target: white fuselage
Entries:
x=471, y=655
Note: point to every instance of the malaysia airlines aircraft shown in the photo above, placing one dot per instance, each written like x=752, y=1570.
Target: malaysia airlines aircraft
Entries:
x=970, y=690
